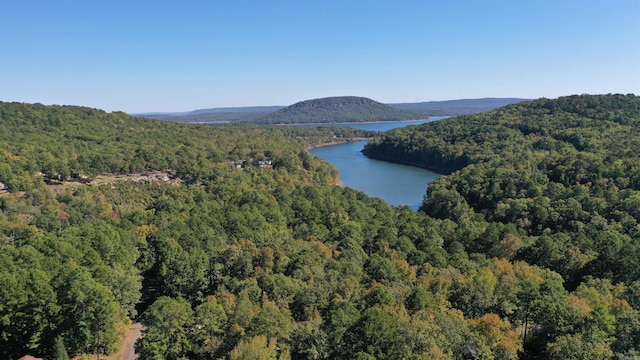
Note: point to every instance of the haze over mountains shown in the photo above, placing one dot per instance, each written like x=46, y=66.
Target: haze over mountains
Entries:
x=336, y=109
x=457, y=107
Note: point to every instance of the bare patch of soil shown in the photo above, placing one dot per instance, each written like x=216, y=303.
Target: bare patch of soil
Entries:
x=110, y=179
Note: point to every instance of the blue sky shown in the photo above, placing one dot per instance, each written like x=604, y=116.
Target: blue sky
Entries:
x=140, y=56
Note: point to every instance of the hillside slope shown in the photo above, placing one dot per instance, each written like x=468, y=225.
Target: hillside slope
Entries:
x=561, y=168
x=70, y=142
x=341, y=109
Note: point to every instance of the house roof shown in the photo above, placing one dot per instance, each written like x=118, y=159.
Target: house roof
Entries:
x=29, y=357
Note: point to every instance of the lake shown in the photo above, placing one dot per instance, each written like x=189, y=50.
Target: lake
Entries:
x=396, y=184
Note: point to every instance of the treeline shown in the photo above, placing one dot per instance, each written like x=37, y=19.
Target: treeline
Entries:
x=275, y=263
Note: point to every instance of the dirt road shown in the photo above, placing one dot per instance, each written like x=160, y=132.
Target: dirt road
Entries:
x=128, y=351
x=127, y=346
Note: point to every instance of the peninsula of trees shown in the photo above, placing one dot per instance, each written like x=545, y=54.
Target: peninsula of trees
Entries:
x=245, y=249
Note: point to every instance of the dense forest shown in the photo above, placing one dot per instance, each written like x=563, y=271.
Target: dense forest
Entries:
x=338, y=109
x=528, y=249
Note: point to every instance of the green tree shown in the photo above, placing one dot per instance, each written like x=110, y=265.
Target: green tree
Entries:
x=255, y=348
x=577, y=346
x=210, y=318
x=60, y=350
x=90, y=314
x=309, y=342
x=376, y=333
x=168, y=323
x=271, y=321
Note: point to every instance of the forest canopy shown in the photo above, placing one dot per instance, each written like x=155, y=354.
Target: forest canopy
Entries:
x=566, y=172
x=528, y=249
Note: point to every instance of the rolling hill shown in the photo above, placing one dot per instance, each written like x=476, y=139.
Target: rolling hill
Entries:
x=339, y=109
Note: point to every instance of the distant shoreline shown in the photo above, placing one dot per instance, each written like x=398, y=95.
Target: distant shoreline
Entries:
x=350, y=123
x=223, y=122
x=338, y=142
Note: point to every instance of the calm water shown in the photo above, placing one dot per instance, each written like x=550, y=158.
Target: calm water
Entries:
x=396, y=184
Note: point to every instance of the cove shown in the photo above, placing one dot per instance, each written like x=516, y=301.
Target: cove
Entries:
x=396, y=184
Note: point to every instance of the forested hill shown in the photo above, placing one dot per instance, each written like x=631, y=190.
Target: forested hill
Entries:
x=566, y=171
x=593, y=124
x=249, y=250
x=341, y=109
x=40, y=142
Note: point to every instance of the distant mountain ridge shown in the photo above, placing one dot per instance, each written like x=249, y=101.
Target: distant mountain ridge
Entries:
x=250, y=114
x=236, y=109
x=457, y=107
x=213, y=115
x=337, y=109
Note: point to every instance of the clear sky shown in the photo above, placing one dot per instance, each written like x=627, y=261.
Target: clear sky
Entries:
x=143, y=56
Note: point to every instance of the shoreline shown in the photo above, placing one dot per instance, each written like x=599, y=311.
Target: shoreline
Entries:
x=338, y=181
x=436, y=169
x=339, y=142
x=352, y=123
